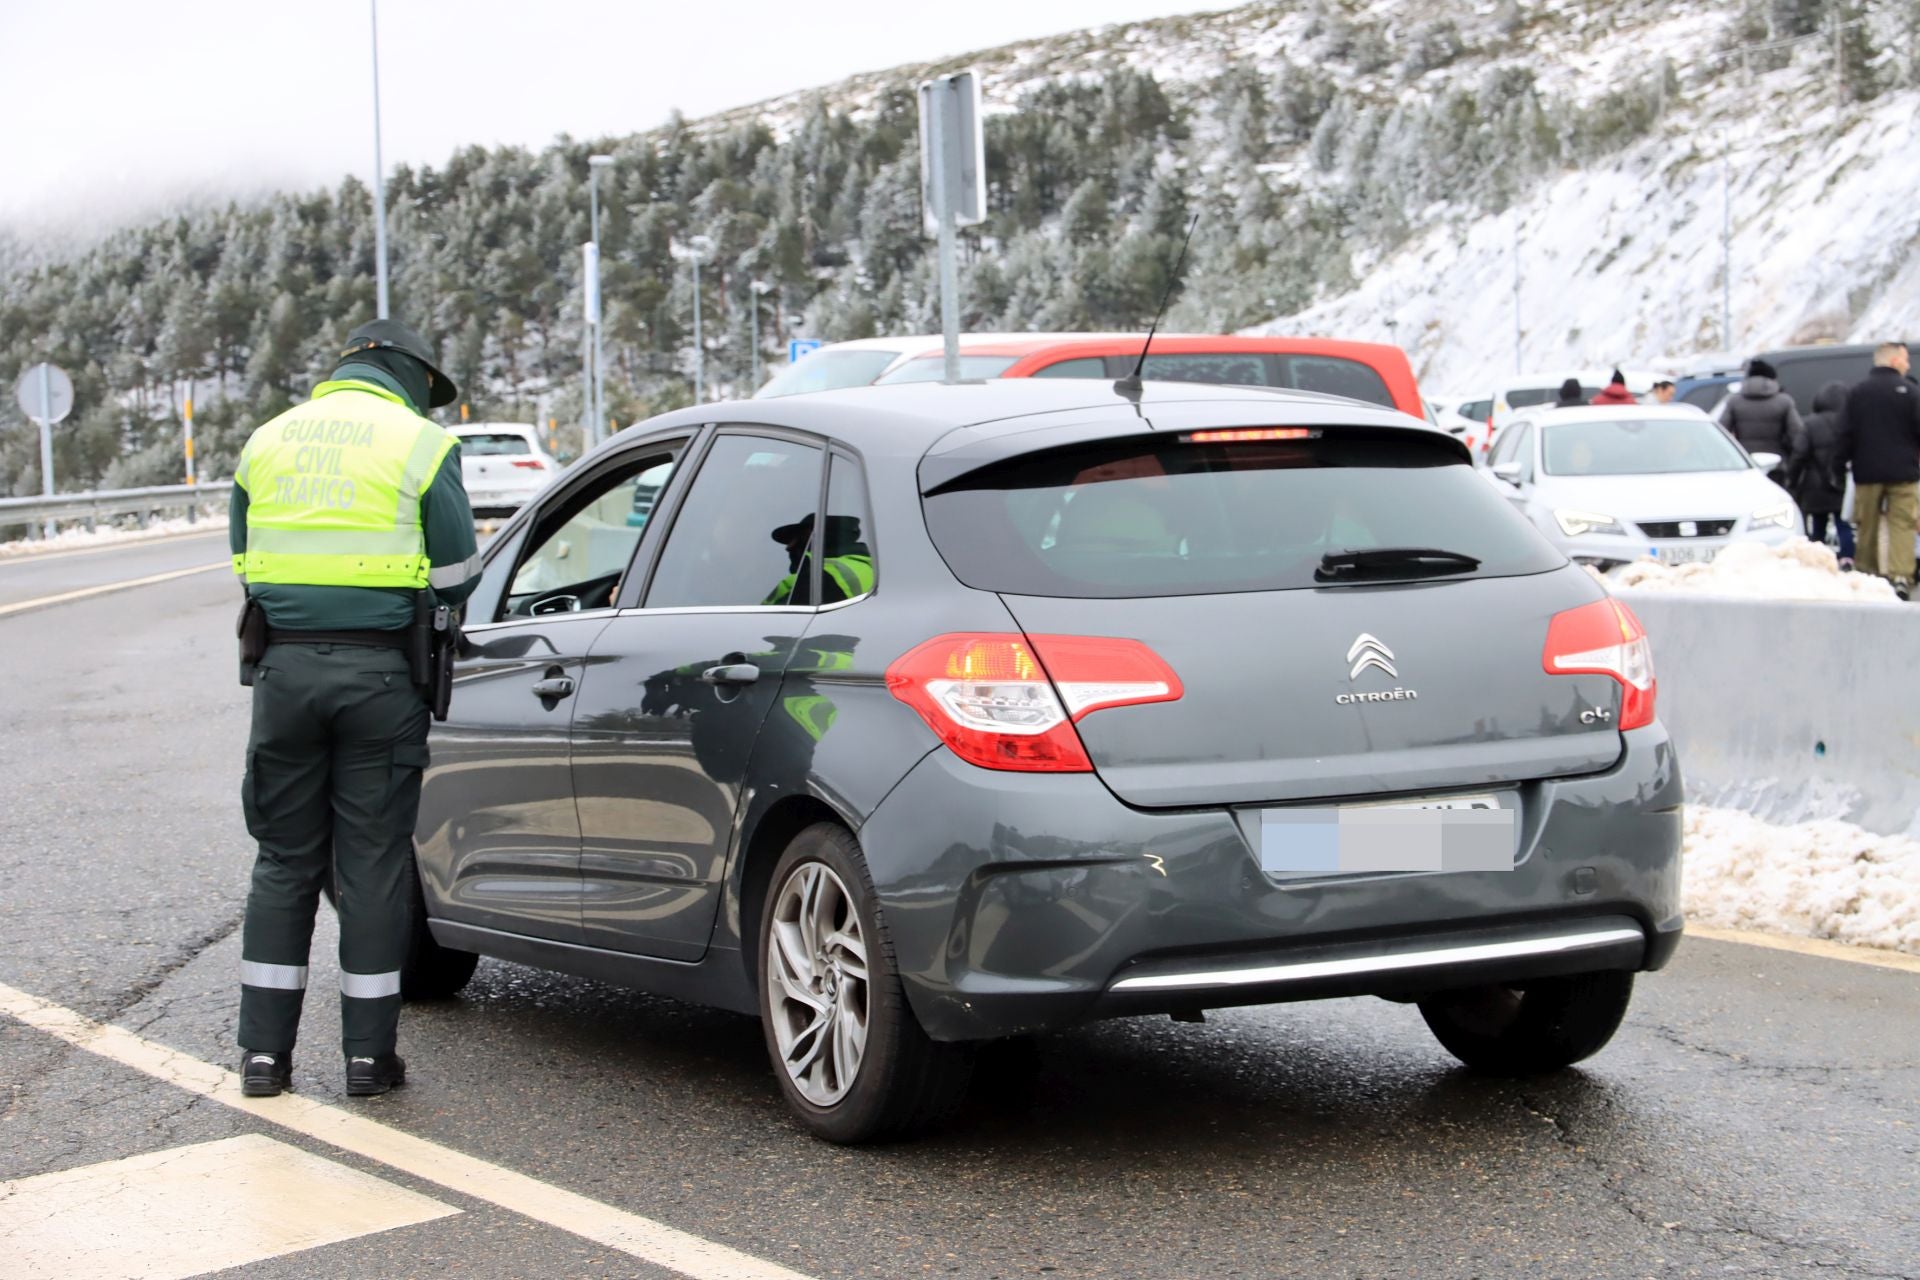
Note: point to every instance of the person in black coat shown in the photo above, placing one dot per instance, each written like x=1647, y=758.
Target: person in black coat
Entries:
x=1880, y=440
x=1763, y=418
x=1816, y=474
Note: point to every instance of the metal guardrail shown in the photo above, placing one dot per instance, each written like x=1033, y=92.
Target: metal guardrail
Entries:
x=113, y=502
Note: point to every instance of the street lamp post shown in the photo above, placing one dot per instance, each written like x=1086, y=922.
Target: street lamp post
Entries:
x=697, y=248
x=596, y=375
x=379, y=179
x=759, y=290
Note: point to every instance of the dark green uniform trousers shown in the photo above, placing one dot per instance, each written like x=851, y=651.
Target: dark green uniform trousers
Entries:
x=332, y=786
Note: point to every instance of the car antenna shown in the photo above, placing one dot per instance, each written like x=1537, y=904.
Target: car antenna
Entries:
x=1130, y=386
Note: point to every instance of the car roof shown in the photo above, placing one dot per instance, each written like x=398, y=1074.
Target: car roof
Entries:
x=1098, y=344
x=906, y=419
x=473, y=428
x=1609, y=413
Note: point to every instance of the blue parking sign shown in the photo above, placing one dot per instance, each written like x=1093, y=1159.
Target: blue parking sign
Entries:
x=797, y=347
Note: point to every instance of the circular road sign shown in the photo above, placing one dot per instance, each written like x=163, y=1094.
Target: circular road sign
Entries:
x=45, y=393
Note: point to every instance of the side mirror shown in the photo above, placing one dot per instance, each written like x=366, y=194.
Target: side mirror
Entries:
x=1766, y=461
x=1508, y=471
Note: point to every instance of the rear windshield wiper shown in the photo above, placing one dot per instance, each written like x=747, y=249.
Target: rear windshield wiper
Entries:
x=1338, y=566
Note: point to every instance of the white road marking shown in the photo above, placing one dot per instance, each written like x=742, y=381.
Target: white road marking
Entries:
x=122, y=544
x=22, y=606
x=1811, y=947
x=630, y=1233
x=168, y=1215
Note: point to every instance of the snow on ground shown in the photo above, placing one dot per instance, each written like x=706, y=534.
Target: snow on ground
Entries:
x=1812, y=880
x=77, y=537
x=1798, y=570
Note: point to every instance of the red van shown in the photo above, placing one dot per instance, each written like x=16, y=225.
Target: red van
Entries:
x=1370, y=371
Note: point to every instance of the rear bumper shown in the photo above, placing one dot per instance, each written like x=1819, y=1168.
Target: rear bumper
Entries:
x=1023, y=902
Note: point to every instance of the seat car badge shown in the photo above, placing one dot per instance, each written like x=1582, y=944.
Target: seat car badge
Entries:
x=1368, y=652
x=1371, y=653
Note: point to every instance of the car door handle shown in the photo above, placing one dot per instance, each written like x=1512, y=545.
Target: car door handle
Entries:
x=732, y=673
x=554, y=687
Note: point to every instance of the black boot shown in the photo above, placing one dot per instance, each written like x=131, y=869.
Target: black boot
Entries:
x=265, y=1075
x=369, y=1076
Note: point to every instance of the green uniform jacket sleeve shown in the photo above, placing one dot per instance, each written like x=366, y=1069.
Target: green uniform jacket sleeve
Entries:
x=447, y=520
x=237, y=520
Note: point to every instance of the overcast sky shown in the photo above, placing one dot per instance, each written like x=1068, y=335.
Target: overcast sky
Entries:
x=118, y=106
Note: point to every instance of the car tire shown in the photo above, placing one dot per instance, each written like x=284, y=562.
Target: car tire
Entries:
x=1533, y=1028
x=850, y=1057
x=431, y=971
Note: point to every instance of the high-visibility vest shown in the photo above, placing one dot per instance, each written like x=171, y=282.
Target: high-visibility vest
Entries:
x=853, y=575
x=333, y=491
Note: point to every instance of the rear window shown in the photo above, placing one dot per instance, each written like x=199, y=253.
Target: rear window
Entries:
x=1526, y=397
x=827, y=371
x=1333, y=375
x=1157, y=517
x=492, y=443
x=933, y=368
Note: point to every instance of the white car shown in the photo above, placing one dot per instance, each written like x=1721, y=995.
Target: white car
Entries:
x=1535, y=390
x=503, y=464
x=1461, y=415
x=1613, y=485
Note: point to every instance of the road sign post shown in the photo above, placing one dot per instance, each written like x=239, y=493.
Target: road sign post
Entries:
x=186, y=419
x=45, y=394
x=952, y=184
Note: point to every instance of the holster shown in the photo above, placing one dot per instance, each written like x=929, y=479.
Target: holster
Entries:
x=432, y=643
x=251, y=628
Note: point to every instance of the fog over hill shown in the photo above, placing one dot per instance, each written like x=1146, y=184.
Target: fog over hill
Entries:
x=1360, y=170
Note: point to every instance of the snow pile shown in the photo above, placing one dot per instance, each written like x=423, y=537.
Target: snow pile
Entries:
x=1815, y=880
x=1797, y=570
x=78, y=537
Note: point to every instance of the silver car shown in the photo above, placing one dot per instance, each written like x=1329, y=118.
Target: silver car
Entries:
x=1608, y=486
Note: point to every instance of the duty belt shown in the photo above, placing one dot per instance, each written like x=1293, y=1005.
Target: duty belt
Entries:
x=379, y=639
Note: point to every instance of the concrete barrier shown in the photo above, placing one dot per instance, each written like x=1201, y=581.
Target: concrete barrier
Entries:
x=1792, y=710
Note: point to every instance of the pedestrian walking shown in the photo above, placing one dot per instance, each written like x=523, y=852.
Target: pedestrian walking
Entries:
x=1615, y=392
x=350, y=527
x=1763, y=418
x=1572, y=395
x=1817, y=475
x=1880, y=442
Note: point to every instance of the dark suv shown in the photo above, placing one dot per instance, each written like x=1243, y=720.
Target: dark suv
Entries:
x=916, y=717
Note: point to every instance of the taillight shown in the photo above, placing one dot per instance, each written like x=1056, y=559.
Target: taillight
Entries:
x=1008, y=701
x=1604, y=638
x=530, y=464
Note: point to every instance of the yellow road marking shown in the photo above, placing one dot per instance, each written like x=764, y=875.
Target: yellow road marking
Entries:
x=1812, y=947
x=84, y=592
x=168, y=1215
x=630, y=1233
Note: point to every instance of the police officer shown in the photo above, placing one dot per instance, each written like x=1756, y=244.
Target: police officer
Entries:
x=345, y=509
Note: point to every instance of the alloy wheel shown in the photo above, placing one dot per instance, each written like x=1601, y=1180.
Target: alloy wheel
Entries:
x=817, y=976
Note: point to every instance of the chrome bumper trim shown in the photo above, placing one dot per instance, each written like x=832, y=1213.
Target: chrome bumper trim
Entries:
x=1437, y=957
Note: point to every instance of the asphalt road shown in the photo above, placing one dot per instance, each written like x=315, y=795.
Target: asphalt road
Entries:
x=1758, y=1115
x=33, y=577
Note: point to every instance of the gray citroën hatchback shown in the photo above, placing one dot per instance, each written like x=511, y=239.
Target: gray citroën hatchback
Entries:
x=908, y=718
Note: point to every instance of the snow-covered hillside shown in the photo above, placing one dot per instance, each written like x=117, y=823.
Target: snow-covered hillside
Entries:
x=1622, y=263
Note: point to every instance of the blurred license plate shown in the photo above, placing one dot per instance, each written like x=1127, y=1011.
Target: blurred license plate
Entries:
x=1686, y=555
x=1457, y=833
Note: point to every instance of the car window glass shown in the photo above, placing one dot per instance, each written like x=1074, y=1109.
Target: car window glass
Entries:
x=934, y=368
x=1523, y=449
x=1802, y=379
x=579, y=553
x=1705, y=396
x=1639, y=446
x=485, y=445
x=1160, y=517
x=745, y=529
x=1082, y=367
x=1475, y=409
x=1249, y=370
x=1503, y=447
x=827, y=371
x=847, y=570
x=1334, y=377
